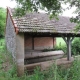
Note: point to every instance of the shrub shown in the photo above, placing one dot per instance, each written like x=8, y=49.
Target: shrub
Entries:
x=62, y=47
x=53, y=73
x=76, y=46
x=74, y=71
x=46, y=50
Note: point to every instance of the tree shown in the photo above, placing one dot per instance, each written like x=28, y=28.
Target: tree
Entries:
x=75, y=3
x=51, y=6
x=2, y=21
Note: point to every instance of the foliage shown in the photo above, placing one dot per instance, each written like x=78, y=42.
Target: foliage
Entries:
x=53, y=73
x=2, y=21
x=74, y=70
x=48, y=49
x=61, y=47
x=76, y=19
x=51, y=6
x=7, y=67
x=76, y=46
x=58, y=72
x=2, y=42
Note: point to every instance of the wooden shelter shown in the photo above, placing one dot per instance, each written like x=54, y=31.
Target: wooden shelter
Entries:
x=35, y=26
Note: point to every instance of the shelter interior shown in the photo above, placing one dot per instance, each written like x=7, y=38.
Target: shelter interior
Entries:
x=34, y=47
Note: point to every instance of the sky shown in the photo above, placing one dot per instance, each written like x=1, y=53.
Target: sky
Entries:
x=7, y=3
x=12, y=4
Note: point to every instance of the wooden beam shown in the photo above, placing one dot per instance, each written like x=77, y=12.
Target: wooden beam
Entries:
x=32, y=43
x=64, y=38
x=53, y=42
x=48, y=34
x=72, y=39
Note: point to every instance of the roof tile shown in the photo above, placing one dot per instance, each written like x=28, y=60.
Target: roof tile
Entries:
x=40, y=22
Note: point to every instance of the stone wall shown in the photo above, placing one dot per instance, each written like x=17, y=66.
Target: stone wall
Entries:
x=20, y=53
x=10, y=36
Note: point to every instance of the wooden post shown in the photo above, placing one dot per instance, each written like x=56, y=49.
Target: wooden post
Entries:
x=32, y=43
x=53, y=42
x=68, y=41
x=68, y=48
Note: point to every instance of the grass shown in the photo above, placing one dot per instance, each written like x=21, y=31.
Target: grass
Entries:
x=53, y=73
x=2, y=42
x=60, y=41
x=7, y=67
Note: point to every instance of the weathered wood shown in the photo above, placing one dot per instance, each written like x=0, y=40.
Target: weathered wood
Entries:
x=64, y=38
x=72, y=39
x=53, y=42
x=48, y=34
x=68, y=48
x=32, y=43
x=68, y=41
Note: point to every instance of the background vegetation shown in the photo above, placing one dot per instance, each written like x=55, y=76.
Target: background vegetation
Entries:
x=2, y=21
x=8, y=70
x=75, y=47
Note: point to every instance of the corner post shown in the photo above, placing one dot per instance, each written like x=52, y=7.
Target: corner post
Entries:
x=20, y=53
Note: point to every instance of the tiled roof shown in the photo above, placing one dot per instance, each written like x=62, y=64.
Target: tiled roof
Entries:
x=40, y=22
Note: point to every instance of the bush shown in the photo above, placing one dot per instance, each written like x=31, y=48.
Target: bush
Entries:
x=62, y=47
x=53, y=73
x=46, y=50
x=76, y=46
x=74, y=71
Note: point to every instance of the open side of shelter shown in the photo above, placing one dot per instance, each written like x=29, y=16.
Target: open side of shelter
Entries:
x=28, y=35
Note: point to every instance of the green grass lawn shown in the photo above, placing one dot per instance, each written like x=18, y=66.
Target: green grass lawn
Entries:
x=60, y=41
